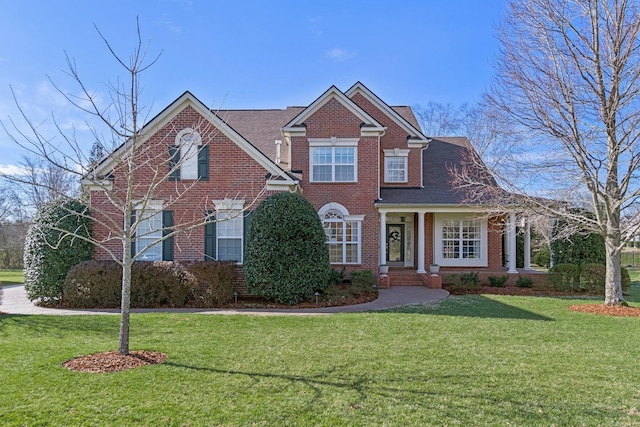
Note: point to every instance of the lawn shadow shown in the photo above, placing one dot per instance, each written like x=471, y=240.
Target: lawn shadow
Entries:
x=471, y=306
x=427, y=389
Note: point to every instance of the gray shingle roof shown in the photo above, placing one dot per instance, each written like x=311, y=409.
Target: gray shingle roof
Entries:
x=442, y=154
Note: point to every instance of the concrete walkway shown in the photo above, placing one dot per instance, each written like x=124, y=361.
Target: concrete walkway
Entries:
x=14, y=301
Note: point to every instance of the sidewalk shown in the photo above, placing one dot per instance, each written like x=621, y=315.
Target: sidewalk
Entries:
x=14, y=301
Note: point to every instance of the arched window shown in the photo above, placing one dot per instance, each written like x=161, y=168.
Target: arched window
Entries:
x=343, y=232
x=191, y=156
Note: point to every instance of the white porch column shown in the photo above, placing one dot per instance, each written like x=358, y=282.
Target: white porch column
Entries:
x=527, y=246
x=421, y=243
x=511, y=243
x=383, y=238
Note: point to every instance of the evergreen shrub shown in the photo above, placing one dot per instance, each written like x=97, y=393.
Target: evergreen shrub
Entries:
x=51, y=250
x=286, y=258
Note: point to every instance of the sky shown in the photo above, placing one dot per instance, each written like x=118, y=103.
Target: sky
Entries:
x=242, y=54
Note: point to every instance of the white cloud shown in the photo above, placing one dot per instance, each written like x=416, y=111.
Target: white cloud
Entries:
x=166, y=22
x=339, y=55
x=12, y=170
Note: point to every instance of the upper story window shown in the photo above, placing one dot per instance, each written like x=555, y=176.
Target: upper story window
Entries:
x=333, y=159
x=191, y=156
x=395, y=165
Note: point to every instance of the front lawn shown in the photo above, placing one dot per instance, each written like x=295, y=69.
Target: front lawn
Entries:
x=11, y=277
x=469, y=360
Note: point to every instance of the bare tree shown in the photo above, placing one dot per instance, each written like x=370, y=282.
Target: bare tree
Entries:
x=568, y=81
x=120, y=198
x=437, y=119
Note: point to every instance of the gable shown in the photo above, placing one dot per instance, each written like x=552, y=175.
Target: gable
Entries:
x=184, y=102
x=368, y=125
x=415, y=137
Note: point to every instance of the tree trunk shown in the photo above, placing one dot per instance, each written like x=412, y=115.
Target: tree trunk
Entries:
x=125, y=304
x=613, y=278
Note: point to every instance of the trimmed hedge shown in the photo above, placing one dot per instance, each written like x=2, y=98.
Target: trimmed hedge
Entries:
x=287, y=258
x=93, y=284
x=50, y=251
x=588, y=278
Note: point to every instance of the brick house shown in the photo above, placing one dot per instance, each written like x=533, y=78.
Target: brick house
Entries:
x=380, y=186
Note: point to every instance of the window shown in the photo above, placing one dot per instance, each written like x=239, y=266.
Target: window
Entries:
x=224, y=236
x=191, y=156
x=229, y=235
x=148, y=234
x=153, y=239
x=343, y=234
x=333, y=159
x=460, y=241
x=395, y=165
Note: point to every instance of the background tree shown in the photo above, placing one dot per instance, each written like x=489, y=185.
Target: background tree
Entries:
x=120, y=125
x=287, y=257
x=568, y=82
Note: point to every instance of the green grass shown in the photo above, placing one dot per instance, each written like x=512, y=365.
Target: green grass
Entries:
x=469, y=360
x=11, y=277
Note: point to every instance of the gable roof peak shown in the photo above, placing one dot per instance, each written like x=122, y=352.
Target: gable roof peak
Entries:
x=370, y=124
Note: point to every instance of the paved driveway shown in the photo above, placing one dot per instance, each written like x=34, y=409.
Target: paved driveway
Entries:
x=15, y=301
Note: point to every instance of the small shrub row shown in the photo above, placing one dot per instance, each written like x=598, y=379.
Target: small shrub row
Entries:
x=362, y=282
x=92, y=284
x=588, y=278
x=498, y=281
x=463, y=281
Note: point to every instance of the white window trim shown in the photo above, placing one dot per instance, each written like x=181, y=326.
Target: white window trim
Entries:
x=346, y=218
x=236, y=207
x=482, y=261
x=334, y=142
x=396, y=152
x=140, y=207
x=188, y=153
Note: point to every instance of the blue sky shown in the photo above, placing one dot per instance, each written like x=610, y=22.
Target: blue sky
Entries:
x=247, y=54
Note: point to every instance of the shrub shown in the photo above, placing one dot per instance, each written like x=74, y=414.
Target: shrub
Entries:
x=470, y=280
x=336, y=277
x=462, y=282
x=287, y=258
x=565, y=277
x=50, y=251
x=216, y=282
x=498, y=281
x=93, y=284
x=362, y=281
x=579, y=248
x=625, y=278
x=592, y=278
x=524, y=282
x=542, y=257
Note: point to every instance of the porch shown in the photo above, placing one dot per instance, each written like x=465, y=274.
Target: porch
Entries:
x=399, y=276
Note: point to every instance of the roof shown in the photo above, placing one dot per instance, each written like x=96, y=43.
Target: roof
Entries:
x=443, y=154
x=261, y=127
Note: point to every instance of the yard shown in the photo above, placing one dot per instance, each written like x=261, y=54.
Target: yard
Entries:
x=470, y=360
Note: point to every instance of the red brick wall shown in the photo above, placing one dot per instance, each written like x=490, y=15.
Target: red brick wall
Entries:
x=334, y=120
x=394, y=137
x=232, y=174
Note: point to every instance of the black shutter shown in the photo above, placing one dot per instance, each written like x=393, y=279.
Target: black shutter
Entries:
x=210, y=238
x=203, y=163
x=167, y=244
x=174, y=158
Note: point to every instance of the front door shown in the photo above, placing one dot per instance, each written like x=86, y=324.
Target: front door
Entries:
x=395, y=244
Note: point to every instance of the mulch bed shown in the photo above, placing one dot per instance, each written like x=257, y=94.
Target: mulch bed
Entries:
x=111, y=361
x=607, y=310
